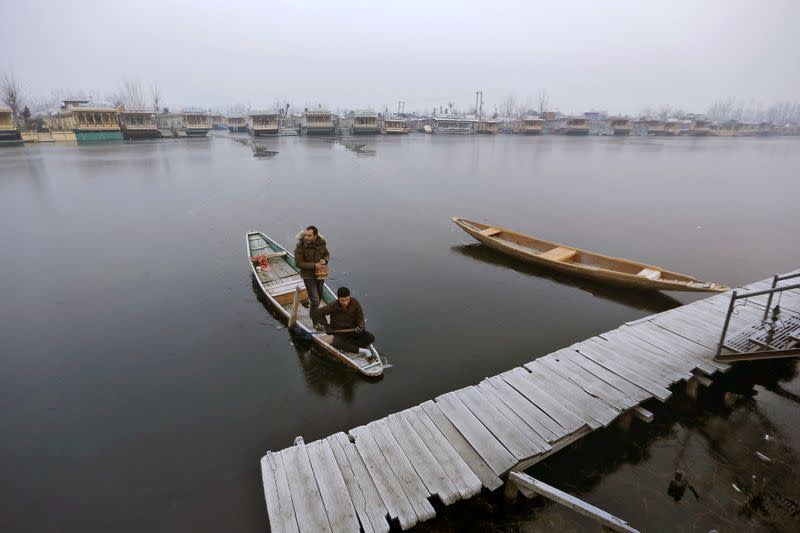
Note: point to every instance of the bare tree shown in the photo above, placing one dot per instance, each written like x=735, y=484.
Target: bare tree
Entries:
x=155, y=94
x=132, y=94
x=544, y=101
x=11, y=93
x=509, y=105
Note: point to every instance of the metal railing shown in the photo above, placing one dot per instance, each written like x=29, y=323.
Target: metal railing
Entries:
x=771, y=291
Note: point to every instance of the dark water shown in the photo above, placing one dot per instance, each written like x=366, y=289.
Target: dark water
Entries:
x=142, y=379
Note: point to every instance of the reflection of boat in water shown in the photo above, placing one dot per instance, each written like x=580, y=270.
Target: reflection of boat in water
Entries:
x=583, y=263
x=654, y=302
x=281, y=283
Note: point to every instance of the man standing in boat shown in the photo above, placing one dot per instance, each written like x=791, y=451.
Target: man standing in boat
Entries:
x=347, y=324
x=311, y=256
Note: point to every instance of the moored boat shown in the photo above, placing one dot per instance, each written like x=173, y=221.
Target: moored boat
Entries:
x=236, y=123
x=317, y=122
x=568, y=259
x=263, y=123
x=9, y=133
x=575, y=126
x=138, y=123
x=196, y=122
x=365, y=123
x=279, y=283
x=620, y=126
x=396, y=125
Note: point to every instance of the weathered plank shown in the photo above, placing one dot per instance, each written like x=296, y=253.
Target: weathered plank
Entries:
x=496, y=455
x=276, y=491
x=503, y=429
x=542, y=424
x=476, y=463
x=649, y=369
x=397, y=503
x=672, y=372
x=560, y=362
x=306, y=498
x=618, y=382
x=669, y=343
x=606, y=519
x=618, y=343
x=622, y=370
x=591, y=406
x=489, y=392
x=410, y=482
x=685, y=361
x=367, y=502
x=422, y=460
x=563, y=414
x=458, y=471
x=335, y=496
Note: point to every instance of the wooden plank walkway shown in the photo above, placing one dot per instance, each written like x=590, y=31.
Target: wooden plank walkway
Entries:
x=467, y=439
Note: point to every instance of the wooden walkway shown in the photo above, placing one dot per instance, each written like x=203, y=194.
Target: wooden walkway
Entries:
x=464, y=440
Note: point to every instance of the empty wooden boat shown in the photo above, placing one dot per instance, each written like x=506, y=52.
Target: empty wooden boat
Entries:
x=279, y=282
x=581, y=263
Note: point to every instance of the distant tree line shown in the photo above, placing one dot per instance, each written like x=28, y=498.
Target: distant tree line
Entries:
x=732, y=108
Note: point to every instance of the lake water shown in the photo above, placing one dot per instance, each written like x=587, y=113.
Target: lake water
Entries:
x=142, y=379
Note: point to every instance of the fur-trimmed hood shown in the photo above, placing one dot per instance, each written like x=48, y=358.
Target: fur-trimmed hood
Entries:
x=301, y=234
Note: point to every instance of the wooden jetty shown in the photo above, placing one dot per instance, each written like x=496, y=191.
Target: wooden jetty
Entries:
x=470, y=439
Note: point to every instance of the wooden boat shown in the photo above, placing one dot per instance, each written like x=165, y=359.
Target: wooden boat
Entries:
x=581, y=263
x=279, y=283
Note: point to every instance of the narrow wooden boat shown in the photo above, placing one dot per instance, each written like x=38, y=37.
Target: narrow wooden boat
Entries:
x=581, y=263
x=279, y=283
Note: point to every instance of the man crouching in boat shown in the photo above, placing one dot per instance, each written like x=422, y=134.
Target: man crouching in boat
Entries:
x=347, y=324
x=311, y=256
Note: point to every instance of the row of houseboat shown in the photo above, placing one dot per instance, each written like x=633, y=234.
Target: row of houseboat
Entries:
x=83, y=120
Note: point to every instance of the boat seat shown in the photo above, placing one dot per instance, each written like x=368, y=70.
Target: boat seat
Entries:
x=559, y=254
x=490, y=232
x=649, y=273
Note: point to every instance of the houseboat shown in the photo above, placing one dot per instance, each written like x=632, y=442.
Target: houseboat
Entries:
x=88, y=121
x=575, y=126
x=196, y=121
x=365, y=123
x=263, y=123
x=487, y=126
x=531, y=126
x=396, y=125
x=9, y=134
x=753, y=129
x=236, y=123
x=673, y=127
x=317, y=122
x=620, y=126
x=218, y=122
x=456, y=125
x=656, y=128
x=138, y=123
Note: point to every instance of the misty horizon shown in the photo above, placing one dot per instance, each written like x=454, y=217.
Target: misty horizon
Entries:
x=623, y=59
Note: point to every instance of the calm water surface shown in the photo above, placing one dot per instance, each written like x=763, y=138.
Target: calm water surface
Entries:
x=142, y=379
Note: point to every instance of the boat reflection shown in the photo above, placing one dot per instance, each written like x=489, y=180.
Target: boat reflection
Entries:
x=653, y=301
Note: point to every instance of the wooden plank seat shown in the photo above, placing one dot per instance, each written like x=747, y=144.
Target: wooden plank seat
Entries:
x=649, y=273
x=560, y=254
x=490, y=232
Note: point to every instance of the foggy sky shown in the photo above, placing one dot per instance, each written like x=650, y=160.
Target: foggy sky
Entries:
x=616, y=56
